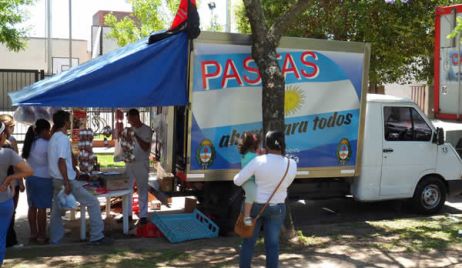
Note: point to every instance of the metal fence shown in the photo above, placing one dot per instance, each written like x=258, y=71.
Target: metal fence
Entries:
x=419, y=96
x=13, y=80
x=98, y=118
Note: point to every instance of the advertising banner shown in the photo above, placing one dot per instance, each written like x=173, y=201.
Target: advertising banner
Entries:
x=322, y=105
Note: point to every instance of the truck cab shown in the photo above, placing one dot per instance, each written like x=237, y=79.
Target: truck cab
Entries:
x=404, y=156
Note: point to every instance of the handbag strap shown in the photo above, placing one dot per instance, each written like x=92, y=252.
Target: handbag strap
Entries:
x=277, y=187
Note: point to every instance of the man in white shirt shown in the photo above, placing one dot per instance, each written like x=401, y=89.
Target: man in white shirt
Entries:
x=139, y=168
x=64, y=174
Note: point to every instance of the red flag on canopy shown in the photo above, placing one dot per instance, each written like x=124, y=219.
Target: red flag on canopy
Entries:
x=186, y=19
x=182, y=13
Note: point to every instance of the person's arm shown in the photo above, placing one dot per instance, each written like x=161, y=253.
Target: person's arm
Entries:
x=146, y=146
x=245, y=173
x=63, y=151
x=22, y=170
x=145, y=140
x=63, y=170
x=22, y=188
x=14, y=145
x=75, y=163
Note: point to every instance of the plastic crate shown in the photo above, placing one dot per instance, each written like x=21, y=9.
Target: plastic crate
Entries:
x=186, y=226
x=148, y=230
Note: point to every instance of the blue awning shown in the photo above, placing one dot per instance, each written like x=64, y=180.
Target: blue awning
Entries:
x=137, y=75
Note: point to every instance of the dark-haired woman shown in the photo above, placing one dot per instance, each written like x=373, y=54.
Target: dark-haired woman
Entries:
x=40, y=186
x=268, y=170
x=248, y=149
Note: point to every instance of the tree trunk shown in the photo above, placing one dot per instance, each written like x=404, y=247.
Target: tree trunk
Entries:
x=264, y=43
x=273, y=86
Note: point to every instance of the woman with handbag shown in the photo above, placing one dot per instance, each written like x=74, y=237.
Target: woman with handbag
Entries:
x=273, y=175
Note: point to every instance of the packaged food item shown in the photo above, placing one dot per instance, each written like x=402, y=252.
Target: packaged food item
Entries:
x=127, y=142
x=87, y=159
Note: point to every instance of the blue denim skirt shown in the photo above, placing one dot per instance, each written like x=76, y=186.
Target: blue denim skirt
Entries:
x=39, y=192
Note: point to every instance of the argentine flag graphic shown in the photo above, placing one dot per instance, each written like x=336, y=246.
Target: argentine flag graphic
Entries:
x=321, y=103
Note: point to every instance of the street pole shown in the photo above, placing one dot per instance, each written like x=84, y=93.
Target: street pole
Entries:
x=49, y=55
x=228, y=16
x=70, y=34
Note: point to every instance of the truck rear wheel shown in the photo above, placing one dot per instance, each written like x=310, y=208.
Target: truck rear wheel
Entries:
x=429, y=196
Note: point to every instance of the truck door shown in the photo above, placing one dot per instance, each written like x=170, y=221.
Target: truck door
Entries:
x=407, y=150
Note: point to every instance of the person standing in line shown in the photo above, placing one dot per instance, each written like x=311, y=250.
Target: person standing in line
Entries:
x=8, y=158
x=18, y=185
x=138, y=169
x=64, y=174
x=40, y=186
x=268, y=170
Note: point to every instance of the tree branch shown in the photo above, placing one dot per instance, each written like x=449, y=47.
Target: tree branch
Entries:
x=254, y=12
x=284, y=21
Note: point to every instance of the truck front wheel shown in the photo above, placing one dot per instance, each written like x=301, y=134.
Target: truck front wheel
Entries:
x=429, y=196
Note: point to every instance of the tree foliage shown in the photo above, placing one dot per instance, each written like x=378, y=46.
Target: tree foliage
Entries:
x=457, y=30
x=148, y=16
x=401, y=32
x=10, y=16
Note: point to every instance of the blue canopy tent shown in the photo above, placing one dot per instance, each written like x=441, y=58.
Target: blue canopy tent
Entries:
x=137, y=75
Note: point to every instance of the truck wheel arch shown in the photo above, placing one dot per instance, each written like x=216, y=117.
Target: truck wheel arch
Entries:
x=430, y=194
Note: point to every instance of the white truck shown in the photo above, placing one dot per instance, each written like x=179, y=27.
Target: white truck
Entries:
x=373, y=147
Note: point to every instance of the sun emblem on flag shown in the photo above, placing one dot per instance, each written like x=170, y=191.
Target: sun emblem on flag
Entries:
x=293, y=100
x=205, y=154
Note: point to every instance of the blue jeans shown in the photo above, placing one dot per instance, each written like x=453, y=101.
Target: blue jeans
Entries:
x=6, y=213
x=272, y=220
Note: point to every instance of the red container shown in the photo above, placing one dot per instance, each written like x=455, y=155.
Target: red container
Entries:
x=148, y=230
x=135, y=206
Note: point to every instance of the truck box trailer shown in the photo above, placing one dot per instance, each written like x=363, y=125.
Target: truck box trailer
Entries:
x=373, y=147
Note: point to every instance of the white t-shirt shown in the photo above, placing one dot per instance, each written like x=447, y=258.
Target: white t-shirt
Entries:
x=38, y=158
x=60, y=147
x=145, y=134
x=268, y=170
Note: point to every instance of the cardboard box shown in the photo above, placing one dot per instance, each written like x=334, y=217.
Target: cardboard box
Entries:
x=190, y=204
x=155, y=205
x=115, y=181
x=166, y=184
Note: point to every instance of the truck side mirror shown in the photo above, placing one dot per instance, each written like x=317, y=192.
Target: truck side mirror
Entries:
x=438, y=138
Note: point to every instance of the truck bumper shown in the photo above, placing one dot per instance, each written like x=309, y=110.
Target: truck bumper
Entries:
x=455, y=187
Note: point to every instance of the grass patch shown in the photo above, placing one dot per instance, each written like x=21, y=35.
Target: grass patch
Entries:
x=310, y=240
x=100, y=137
x=419, y=235
x=107, y=161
